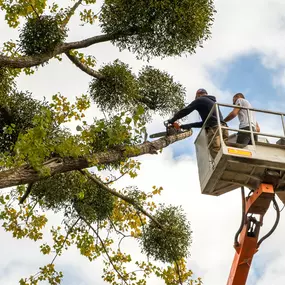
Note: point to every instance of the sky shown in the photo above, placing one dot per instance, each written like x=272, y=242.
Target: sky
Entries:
x=245, y=54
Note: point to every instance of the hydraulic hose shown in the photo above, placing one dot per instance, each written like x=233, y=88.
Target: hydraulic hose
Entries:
x=236, y=243
x=276, y=207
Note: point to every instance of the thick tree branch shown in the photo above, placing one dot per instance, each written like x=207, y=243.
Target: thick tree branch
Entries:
x=30, y=61
x=26, y=61
x=71, y=12
x=83, y=67
x=178, y=273
x=26, y=194
x=25, y=174
x=121, y=196
x=91, y=41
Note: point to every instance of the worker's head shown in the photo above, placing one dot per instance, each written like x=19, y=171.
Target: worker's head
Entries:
x=237, y=96
x=201, y=92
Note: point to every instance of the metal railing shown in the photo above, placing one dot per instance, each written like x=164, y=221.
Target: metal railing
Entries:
x=251, y=131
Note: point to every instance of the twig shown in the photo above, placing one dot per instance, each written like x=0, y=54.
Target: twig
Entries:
x=121, y=196
x=105, y=249
x=26, y=194
x=116, y=179
x=66, y=237
x=98, y=231
x=142, y=224
x=142, y=230
x=61, y=246
x=100, y=10
x=114, y=227
x=11, y=200
x=32, y=209
x=119, y=244
x=35, y=10
x=70, y=13
x=118, y=232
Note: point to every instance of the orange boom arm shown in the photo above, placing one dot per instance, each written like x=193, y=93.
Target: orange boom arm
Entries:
x=258, y=203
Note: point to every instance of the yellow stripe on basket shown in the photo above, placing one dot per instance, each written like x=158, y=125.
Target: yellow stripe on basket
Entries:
x=239, y=152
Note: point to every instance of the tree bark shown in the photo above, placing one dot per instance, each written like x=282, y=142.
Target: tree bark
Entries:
x=30, y=61
x=84, y=67
x=25, y=174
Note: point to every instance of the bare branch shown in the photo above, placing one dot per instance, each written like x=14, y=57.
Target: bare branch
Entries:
x=30, y=61
x=70, y=13
x=122, y=238
x=32, y=209
x=105, y=249
x=116, y=179
x=34, y=10
x=114, y=227
x=119, y=232
x=25, y=174
x=84, y=67
x=65, y=239
x=121, y=196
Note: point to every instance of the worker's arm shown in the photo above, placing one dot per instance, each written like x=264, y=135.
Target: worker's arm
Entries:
x=192, y=125
x=257, y=127
x=232, y=114
x=184, y=112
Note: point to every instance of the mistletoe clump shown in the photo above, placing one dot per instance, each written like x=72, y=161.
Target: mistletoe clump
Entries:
x=158, y=28
x=57, y=191
x=158, y=91
x=41, y=35
x=72, y=190
x=120, y=90
x=17, y=111
x=117, y=90
x=170, y=243
x=96, y=204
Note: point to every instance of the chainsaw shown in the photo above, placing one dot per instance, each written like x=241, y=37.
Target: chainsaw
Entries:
x=171, y=129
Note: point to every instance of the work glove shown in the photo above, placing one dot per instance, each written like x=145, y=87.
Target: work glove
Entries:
x=172, y=128
x=169, y=123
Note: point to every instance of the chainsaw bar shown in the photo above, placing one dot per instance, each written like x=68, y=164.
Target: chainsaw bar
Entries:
x=158, y=135
x=164, y=134
x=170, y=131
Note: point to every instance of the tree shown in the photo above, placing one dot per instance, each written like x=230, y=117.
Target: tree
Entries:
x=46, y=164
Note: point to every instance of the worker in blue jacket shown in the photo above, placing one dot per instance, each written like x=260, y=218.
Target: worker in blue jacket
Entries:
x=203, y=103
